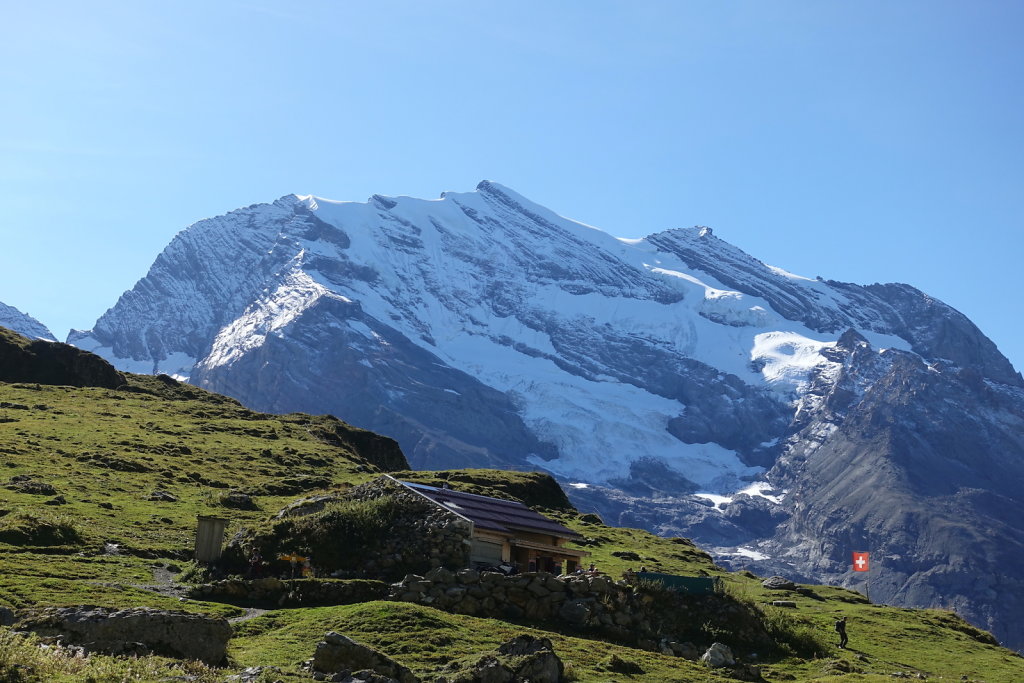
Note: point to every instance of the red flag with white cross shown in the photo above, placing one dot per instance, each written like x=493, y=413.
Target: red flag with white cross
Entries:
x=860, y=562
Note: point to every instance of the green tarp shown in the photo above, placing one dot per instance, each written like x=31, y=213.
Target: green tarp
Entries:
x=691, y=585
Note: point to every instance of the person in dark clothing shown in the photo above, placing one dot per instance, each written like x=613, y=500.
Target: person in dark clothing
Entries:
x=841, y=630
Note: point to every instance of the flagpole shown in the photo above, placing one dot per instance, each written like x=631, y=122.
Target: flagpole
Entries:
x=862, y=563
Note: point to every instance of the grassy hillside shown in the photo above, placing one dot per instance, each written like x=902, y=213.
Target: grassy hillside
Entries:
x=100, y=489
x=79, y=468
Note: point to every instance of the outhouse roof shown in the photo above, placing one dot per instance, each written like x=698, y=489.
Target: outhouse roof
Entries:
x=505, y=516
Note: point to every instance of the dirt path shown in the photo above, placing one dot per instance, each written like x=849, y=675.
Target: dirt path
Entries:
x=250, y=613
x=163, y=583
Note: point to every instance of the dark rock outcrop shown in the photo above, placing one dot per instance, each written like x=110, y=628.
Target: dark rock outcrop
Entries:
x=337, y=653
x=173, y=634
x=46, y=362
x=524, y=659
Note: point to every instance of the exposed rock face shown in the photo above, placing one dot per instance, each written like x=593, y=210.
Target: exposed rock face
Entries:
x=337, y=653
x=172, y=634
x=484, y=330
x=46, y=362
x=921, y=466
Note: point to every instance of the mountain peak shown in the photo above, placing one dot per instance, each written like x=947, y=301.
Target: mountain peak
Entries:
x=491, y=186
x=22, y=323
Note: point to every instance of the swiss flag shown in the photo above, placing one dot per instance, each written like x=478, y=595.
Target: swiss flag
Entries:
x=860, y=562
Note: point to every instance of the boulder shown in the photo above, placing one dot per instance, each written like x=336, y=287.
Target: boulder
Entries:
x=488, y=669
x=541, y=667
x=524, y=658
x=718, y=655
x=778, y=583
x=238, y=500
x=524, y=645
x=337, y=653
x=6, y=617
x=170, y=633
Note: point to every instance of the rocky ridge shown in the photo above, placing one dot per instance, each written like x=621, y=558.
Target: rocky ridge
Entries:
x=22, y=323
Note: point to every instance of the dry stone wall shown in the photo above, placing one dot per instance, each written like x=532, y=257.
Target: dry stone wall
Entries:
x=133, y=631
x=588, y=602
x=425, y=536
x=658, y=621
x=291, y=592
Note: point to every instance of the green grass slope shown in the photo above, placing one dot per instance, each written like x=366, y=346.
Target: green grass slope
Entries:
x=79, y=467
x=80, y=524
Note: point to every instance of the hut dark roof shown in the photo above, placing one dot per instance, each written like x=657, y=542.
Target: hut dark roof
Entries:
x=504, y=516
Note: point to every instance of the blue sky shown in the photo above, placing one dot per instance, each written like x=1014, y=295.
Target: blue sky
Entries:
x=865, y=142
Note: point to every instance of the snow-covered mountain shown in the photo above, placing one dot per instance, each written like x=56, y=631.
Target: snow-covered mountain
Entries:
x=673, y=381
x=13, y=319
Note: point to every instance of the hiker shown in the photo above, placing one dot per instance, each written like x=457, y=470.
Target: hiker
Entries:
x=255, y=565
x=841, y=630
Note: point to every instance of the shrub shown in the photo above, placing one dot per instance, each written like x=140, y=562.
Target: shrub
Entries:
x=799, y=637
x=791, y=634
